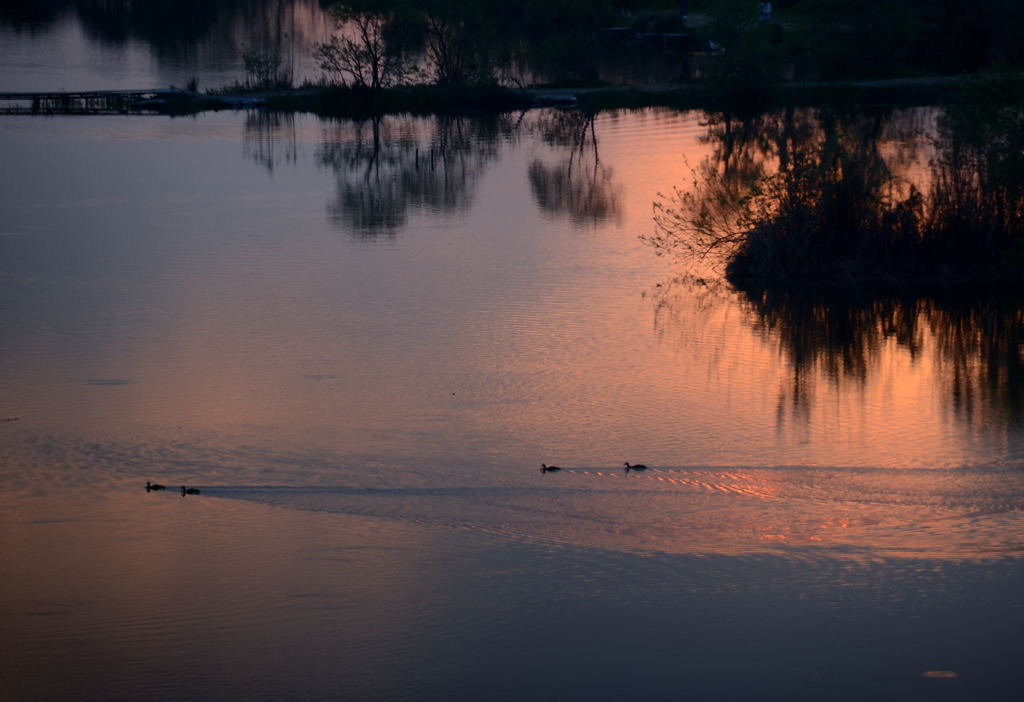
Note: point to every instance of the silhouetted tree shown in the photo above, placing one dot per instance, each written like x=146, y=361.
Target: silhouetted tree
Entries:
x=362, y=55
x=460, y=40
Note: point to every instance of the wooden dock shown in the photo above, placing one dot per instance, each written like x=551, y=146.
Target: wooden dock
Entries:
x=92, y=102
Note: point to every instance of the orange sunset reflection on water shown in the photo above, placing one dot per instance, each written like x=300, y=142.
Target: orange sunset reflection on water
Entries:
x=363, y=345
x=418, y=355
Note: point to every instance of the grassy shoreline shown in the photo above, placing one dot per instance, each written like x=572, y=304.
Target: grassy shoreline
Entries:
x=361, y=102
x=337, y=101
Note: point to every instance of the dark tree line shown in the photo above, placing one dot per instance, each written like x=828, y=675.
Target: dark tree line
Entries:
x=465, y=41
x=381, y=43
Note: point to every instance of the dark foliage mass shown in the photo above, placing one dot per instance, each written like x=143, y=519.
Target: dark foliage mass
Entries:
x=877, y=37
x=472, y=41
x=832, y=210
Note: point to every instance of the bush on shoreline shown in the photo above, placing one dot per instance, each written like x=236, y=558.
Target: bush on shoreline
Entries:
x=832, y=212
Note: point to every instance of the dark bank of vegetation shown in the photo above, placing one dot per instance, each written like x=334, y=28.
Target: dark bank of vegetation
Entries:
x=833, y=212
x=481, y=51
x=563, y=39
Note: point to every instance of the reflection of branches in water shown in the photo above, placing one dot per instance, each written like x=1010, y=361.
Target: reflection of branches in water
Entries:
x=709, y=218
x=784, y=191
x=698, y=316
x=981, y=346
x=270, y=138
x=384, y=167
x=589, y=198
x=744, y=150
x=907, y=144
x=684, y=307
x=975, y=344
x=579, y=186
x=203, y=32
x=164, y=25
x=364, y=157
x=839, y=336
x=976, y=203
x=837, y=339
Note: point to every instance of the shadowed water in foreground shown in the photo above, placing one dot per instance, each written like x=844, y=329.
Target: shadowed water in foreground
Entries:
x=257, y=599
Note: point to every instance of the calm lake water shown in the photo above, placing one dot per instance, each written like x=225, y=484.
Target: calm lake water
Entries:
x=361, y=340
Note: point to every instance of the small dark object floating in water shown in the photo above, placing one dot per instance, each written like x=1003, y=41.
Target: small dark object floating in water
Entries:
x=639, y=466
x=548, y=469
x=11, y=419
x=154, y=486
x=189, y=491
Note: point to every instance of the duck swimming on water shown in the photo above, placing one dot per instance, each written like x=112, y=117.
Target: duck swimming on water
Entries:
x=548, y=469
x=638, y=466
x=189, y=491
x=154, y=486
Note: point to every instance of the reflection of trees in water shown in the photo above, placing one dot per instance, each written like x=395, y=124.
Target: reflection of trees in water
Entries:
x=163, y=25
x=270, y=138
x=792, y=193
x=385, y=167
x=888, y=145
x=837, y=340
x=160, y=23
x=982, y=346
x=209, y=35
x=974, y=344
x=904, y=189
x=579, y=186
x=975, y=211
x=744, y=153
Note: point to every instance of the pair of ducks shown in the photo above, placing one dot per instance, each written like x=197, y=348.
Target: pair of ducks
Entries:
x=544, y=468
x=184, y=490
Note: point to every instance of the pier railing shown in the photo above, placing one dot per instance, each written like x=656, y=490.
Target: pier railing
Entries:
x=94, y=102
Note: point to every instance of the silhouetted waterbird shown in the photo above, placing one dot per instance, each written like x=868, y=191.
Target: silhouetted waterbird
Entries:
x=548, y=469
x=154, y=486
x=638, y=466
x=189, y=491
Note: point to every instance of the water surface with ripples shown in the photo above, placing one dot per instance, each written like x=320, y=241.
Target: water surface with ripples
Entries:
x=360, y=340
